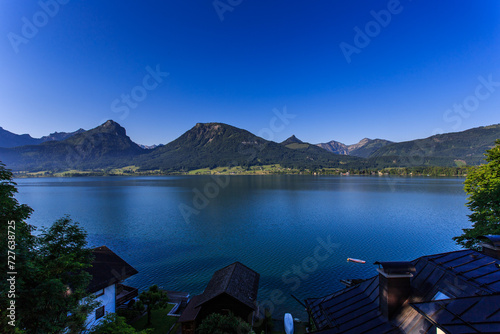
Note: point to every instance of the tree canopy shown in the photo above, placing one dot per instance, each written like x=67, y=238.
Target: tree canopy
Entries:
x=217, y=323
x=153, y=298
x=113, y=324
x=58, y=283
x=50, y=281
x=482, y=185
x=13, y=218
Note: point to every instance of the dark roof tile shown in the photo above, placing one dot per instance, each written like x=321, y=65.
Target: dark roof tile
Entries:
x=464, y=315
x=237, y=280
x=465, y=276
x=352, y=310
x=191, y=311
x=107, y=269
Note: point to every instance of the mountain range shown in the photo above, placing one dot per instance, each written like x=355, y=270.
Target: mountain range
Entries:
x=364, y=149
x=9, y=139
x=210, y=145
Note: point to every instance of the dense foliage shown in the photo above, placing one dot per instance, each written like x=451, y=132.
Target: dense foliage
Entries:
x=22, y=244
x=106, y=146
x=468, y=145
x=219, y=145
x=58, y=282
x=153, y=298
x=483, y=187
x=223, y=324
x=50, y=280
x=113, y=324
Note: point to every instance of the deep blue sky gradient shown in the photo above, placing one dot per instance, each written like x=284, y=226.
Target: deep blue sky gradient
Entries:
x=263, y=55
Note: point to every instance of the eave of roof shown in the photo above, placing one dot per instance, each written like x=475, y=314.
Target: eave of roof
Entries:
x=463, y=315
x=191, y=311
x=107, y=269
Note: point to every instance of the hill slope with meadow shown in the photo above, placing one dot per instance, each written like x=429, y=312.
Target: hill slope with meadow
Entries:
x=215, y=145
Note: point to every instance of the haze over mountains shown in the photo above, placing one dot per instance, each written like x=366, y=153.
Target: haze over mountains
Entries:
x=210, y=145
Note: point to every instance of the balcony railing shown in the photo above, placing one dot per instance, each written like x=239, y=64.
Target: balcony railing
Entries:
x=124, y=294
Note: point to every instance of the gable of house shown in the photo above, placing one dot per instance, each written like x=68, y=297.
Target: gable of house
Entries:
x=107, y=269
x=235, y=280
x=231, y=289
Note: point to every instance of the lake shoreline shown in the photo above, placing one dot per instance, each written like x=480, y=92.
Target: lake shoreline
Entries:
x=178, y=230
x=256, y=170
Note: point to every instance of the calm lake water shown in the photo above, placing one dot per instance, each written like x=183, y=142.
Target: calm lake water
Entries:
x=270, y=223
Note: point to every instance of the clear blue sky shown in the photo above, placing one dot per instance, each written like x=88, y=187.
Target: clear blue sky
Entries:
x=73, y=68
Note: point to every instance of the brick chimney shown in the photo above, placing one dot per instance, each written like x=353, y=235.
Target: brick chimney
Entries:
x=394, y=286
x=491, y=245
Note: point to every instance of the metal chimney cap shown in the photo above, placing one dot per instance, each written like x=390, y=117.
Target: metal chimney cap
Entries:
x=397, y=267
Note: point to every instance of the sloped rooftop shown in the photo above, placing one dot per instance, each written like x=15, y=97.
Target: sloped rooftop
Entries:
x=459, y=275
x=463, y=315
x=352, y=310
x=107, y=269
x=237, y=280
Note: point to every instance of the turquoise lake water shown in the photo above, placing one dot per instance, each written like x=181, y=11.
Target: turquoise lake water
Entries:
x=296, y=231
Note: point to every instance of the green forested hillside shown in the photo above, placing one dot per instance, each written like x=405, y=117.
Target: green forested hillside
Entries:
x=211, y=145
x=106, y=146
x=366, y=147
x=216, y=144
x=444, y=149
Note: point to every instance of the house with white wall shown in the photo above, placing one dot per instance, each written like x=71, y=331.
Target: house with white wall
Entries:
x=108, y=272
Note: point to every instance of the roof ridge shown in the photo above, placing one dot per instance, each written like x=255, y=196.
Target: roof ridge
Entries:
x=230, y=276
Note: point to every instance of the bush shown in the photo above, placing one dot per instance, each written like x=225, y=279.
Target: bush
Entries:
x=128, y=313
x=223, y=324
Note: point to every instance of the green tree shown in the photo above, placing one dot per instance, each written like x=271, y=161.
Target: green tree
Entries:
x=482, y=185
x=153, y=298
x=223, y=324
x=56, y=296
x=113, y=324
x=50, y=286
x=16, y=237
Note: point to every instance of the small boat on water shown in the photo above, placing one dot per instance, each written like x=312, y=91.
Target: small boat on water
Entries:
x=355, y=260
x=288, y=320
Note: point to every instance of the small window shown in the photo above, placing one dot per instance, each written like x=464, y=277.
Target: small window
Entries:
x=440, y=296
x=99, y=293
x=99, y=313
